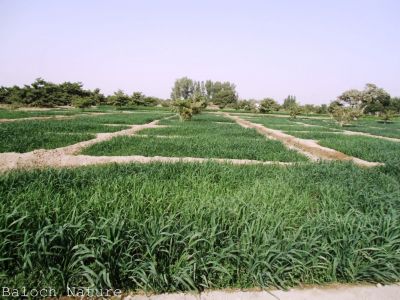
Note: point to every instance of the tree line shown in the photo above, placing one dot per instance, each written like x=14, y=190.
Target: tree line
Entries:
x=42, y=93
x=190, y=97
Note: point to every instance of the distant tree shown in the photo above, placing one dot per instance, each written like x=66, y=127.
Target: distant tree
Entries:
x=294, y=110
x=224, y=97
x=321, y=109
x=82, y=102
x=288, y=102
x=98, y=97
x=387, y=115
x=309, y=108
x=151, y=101
x=247, y=105
x=183, y=89
x=137, y=98
x=166, y=103
x=395, y=104
x=209, y=89
x=47, y=94
x=371, y=99
x=268, y=105
x=119, y=98
x=220, y=93
x=4, y=94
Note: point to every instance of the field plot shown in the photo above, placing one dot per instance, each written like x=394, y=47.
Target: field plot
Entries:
x=207, y=136
x=329, y=134
x=169, y=227
x=28, y=135
x=17, y=114
x=371, y=126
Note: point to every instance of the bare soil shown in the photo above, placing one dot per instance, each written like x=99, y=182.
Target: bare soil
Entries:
x=334, y=292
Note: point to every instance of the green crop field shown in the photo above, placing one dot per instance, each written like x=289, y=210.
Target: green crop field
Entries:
x=192, y=226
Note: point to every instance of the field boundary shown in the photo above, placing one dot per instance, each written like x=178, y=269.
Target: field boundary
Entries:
x=309, y=148
x=69, y=156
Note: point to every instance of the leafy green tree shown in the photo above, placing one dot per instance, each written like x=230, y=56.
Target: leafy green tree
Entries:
x=183, y=108
x=47, y=94
x=247, y=105
x=119, y=98
x=344, y=115
x=224, y=97
x=183, y=89
x=98, y=97
x=268, y=105
x=82, y=102
x=321, y=109
x=294, y=110
x=288, y=102
x=387, y=115
x=395, y=104
x=371, y=99
x=137, y=98
x=151, y=101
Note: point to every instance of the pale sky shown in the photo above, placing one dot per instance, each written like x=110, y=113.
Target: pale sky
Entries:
x=312, y=49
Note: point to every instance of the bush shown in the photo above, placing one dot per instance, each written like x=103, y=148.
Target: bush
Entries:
x=268, y=105
x=83, y=102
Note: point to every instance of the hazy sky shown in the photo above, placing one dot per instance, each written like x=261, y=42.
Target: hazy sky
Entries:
x=312, y=49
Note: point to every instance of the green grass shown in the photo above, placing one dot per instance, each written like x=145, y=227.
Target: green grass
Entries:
x=201, y=137
x=16, y=114
x=177, y=227
x=25, y=136
x=363, y=147
x=366, y=125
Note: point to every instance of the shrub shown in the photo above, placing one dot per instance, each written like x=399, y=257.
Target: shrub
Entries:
x=83, y=102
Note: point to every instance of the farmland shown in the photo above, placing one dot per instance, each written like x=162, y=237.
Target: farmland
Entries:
x=255, y=211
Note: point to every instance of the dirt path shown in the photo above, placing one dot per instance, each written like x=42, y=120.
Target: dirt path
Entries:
x=310, y=148
x=338, y=292
x=68, y=156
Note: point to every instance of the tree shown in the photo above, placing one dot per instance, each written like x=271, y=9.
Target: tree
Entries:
x=119, y=98
x=183, y=89
x=309, y=108
x=82, y=102
x=268, y=105
x=224, y=97
x=288, y=102
x=371, y=99
x=248, y=105
x=151, y=101
x=321, y=109
x=47, y=94
x=387, y=115
x=294, y=110
x=344, y=115
x=395, y=104
x=98, y=97
x=137, y=98
x=189, y=107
